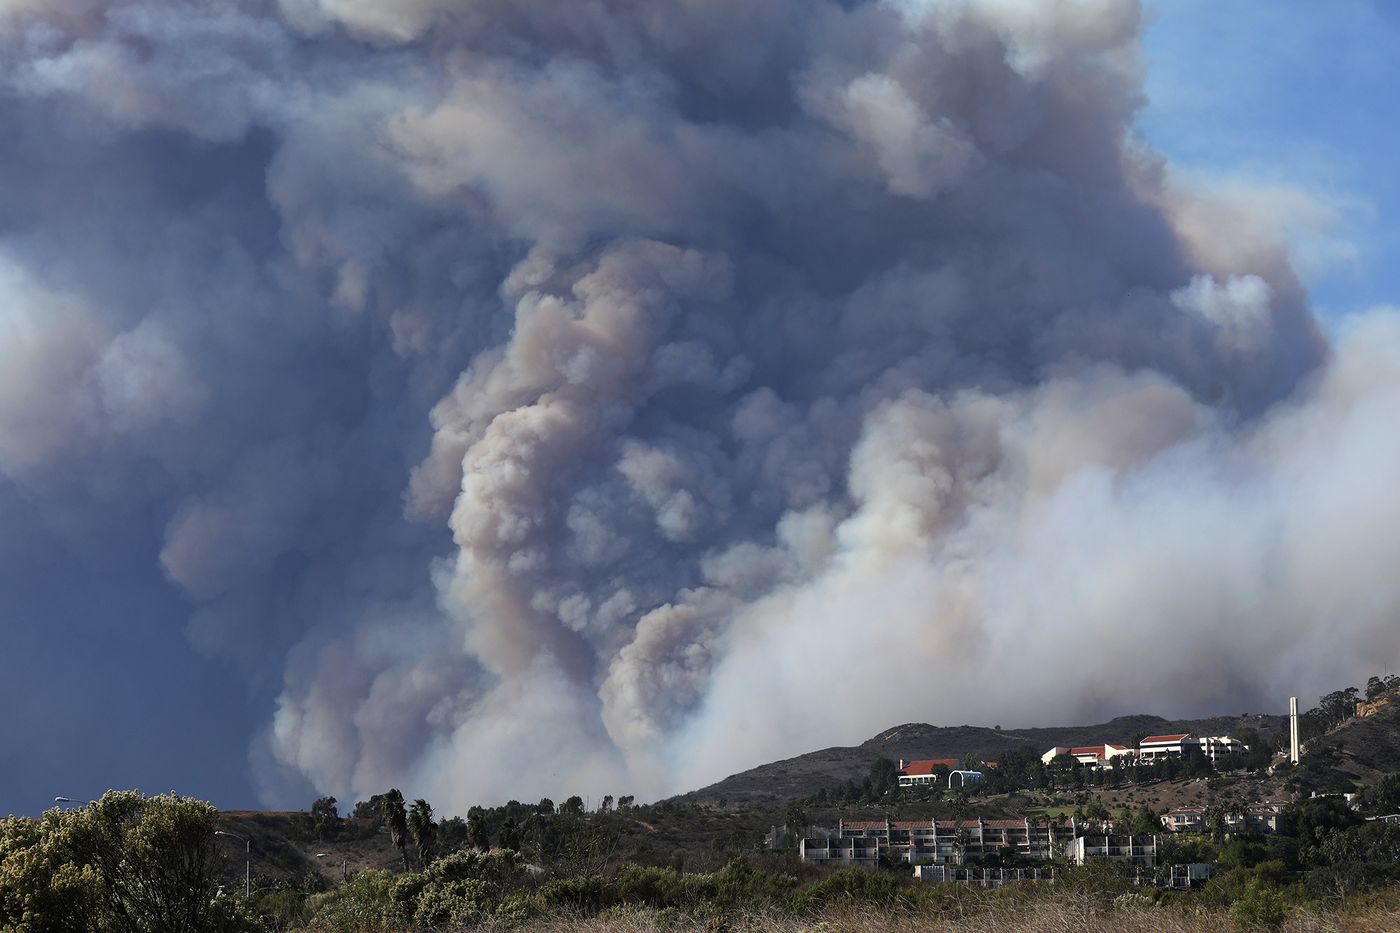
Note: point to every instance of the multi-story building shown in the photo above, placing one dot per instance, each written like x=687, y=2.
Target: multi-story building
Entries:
x=1185, y=819
x=981, y=877
x=929, y=842
x=1213, y=747
x=1216, y=747
x=1158, y=747
x=1137, y=850
x=1094, y=756
x=1259, y=817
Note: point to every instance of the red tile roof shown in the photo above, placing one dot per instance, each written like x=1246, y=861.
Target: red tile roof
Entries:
x=920, y=768
x=1164, y=739
x=864, y=824
x=1095, y=750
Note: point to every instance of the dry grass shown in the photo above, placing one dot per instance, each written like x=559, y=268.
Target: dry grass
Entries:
x=1060, y=915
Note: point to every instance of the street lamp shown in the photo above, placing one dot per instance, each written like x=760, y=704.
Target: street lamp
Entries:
x=343, y=862
x=247, y=862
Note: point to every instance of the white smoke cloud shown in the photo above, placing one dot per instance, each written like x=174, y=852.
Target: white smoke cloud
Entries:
x=607, y=400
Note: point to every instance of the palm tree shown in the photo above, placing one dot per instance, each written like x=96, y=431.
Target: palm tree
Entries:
x=396, y=818
x=508, y=836
x=423, y=831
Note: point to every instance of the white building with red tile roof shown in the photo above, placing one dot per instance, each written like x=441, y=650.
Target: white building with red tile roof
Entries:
x=1185, y=819
x=1214, y=747
x=1157, y=747
x=921, y=773
x=1095, y=756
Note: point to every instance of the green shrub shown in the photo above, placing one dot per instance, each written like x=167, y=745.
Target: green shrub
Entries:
x=1260, y=907
x=584, y=894
x=362, y=904
x=851, y=884
x=516, y=909
x=1133, y=901
x=654, y=887
x=454, y=902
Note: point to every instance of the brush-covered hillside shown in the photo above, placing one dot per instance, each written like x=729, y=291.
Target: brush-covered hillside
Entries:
x=808, y=774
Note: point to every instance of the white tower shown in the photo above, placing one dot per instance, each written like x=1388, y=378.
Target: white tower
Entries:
x=1293, y=729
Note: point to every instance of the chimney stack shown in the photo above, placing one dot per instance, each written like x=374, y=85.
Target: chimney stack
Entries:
x=1293, y=729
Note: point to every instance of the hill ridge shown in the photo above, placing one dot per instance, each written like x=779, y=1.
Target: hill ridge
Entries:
x=803, y=775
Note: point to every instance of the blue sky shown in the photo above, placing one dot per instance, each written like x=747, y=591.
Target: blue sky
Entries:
x=1291, y=93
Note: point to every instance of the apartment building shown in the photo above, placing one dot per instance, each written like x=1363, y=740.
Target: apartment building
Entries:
x=930, y=842
x=1136, y=850
x=1259, y=817
x=946, y=842
x=981, y=877
x=1185, y=819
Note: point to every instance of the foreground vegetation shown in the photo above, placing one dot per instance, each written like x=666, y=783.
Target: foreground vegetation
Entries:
x=134, y=864
x=149, y=865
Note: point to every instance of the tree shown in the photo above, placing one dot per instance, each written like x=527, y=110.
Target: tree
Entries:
x=395, y=816
x=1312, y=819
x=1062, y=768
x=125, y=864
x=1194, y=762
x=573, y=806
x=477, y=832
x=884, y=775
x=452, y=834
x=1216, y=823
x=1374, y=688
x=325, y=816
x=795, y=819
x=1383, y=797
x=1337, y=706
x=508, y=836
x=545, y=807
x=1144, y=821
x=606, y=805
x=424, y=832
x=1016, y=769
x=371, y=809
x=625, y=802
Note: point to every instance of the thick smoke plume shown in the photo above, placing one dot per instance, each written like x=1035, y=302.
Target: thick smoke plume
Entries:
x=606, y=396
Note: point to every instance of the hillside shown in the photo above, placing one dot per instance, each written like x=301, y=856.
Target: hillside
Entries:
x=1367, y=746
x=773, y=783
x=285, y=846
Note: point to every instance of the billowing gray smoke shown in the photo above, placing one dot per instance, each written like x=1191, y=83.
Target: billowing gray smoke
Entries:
x=782, y=369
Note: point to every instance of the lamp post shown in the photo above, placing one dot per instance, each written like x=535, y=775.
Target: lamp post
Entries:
x=247, y=862
x=343, y=862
